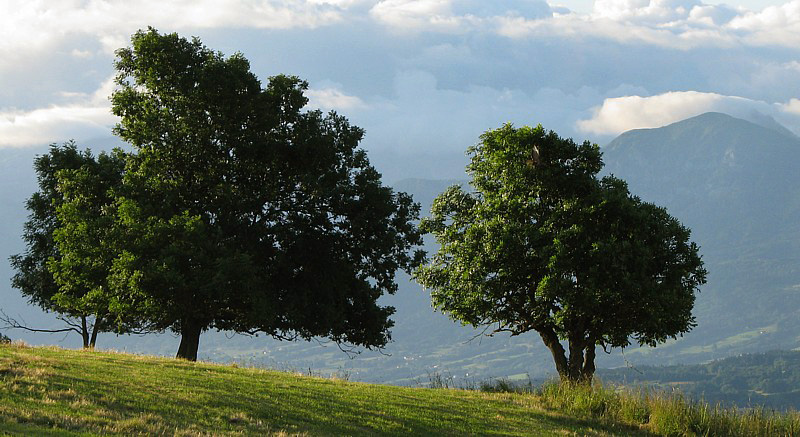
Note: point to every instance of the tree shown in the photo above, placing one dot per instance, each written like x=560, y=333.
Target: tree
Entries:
x=542, y=244
x=242, y=211
x=71, y=182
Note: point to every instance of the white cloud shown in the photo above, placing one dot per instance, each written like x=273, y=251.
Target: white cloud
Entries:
x=86, y=116
x=773, y=25
x=485, y=62
x=81, y=54
x=28, y=26
x=662, y=11
x=497, y=8
x=455, y=16
x=332, y=98
x=680, y=24
x=792, y=107
x=340, y=3
x=620, y=114
x=712, y=15
x=418, y=14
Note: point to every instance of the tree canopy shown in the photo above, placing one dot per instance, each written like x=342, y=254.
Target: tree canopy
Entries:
x=242, y=211
x=543, y=244
x=70, y=215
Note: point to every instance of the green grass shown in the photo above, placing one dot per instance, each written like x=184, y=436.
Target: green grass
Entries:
x=49, y=391
x=666, y=413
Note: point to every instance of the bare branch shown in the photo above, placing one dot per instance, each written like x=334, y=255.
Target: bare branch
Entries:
x=69, y=322
x=11, y=323
x=483, y=334
x=630, y=365
x=350, y=350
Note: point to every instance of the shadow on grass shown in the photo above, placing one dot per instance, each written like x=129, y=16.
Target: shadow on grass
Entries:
x=33, y=428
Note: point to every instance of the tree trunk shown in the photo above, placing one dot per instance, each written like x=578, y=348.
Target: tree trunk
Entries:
x=576, y=346
x=190, y=339
x=84, y=332
x=95, y=329
x=579, y=366
x=550, y=340
x=588, y=363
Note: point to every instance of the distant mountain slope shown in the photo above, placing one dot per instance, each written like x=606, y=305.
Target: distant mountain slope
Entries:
x=713, y=167
x=736, y=184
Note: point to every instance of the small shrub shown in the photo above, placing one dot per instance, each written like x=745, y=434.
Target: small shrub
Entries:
x=437, y=380
x=342, y=374
x=503, y=385
x=4, y=339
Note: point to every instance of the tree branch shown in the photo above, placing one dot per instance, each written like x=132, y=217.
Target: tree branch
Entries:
x=11, y=323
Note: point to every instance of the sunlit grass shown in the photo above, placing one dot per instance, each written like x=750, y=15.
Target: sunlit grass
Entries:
x=49, y=391
x=666, y=413
x=65, y=392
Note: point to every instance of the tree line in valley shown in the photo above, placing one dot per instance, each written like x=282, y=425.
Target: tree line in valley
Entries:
x=768, y=379
x=239, y=210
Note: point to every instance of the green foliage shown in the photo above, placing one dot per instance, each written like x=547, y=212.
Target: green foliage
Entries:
x=86, y=236
x=67, y=234
x=33, y=278
x=240, y=211
x=4, y=338
x=543, y=244
x=45, y=391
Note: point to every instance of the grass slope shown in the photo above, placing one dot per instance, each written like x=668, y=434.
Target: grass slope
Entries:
x=48, y=391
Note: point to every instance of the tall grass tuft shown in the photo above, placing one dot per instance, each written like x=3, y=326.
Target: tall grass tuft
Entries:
x=666, y=413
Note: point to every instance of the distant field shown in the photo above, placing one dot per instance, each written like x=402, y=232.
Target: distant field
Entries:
x=47, y=391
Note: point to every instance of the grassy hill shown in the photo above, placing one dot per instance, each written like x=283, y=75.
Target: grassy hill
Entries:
x=49, y=391
x=64, y=392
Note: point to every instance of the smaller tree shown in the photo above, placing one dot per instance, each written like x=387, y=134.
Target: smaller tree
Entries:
x=64, y=264
x=542, y=244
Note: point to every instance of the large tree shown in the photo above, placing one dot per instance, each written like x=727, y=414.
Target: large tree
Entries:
x=74, y=198
x=244, y=212
x=541, y=243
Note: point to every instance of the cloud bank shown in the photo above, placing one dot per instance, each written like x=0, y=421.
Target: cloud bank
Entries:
x=35, y=25
x=423, y=76
x=620, y=114
x=86, y=116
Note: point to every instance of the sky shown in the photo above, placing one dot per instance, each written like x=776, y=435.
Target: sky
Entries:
x=424, y=77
